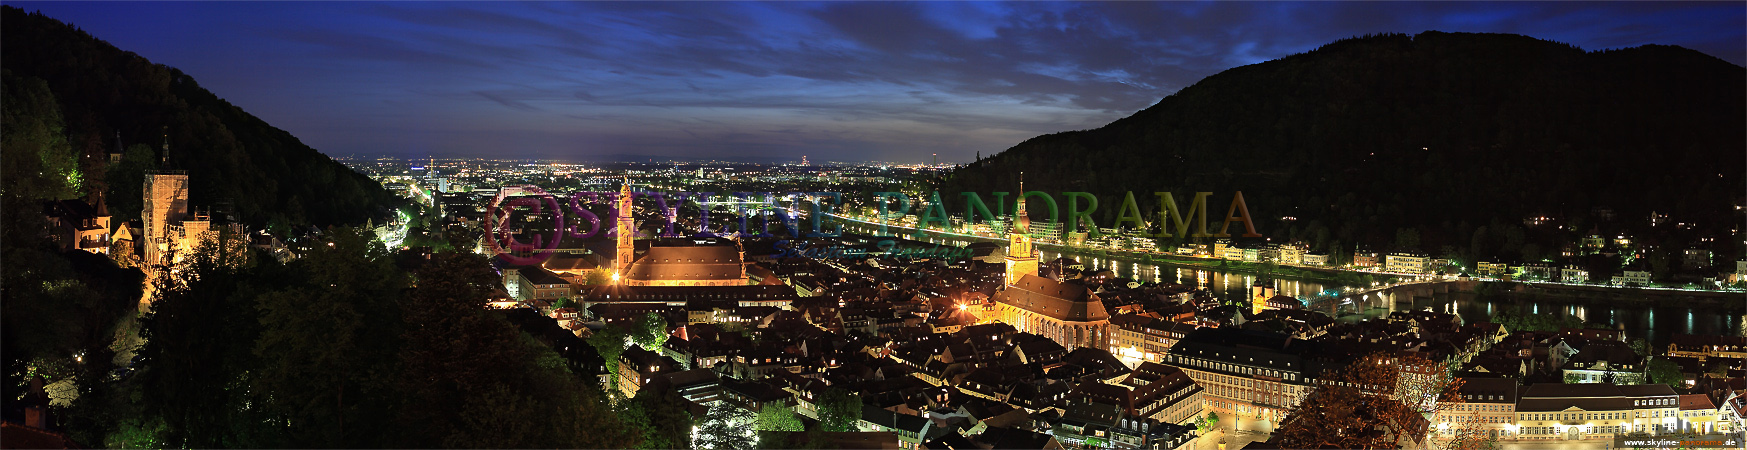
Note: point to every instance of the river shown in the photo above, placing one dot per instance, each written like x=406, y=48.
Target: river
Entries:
x=1658, y=323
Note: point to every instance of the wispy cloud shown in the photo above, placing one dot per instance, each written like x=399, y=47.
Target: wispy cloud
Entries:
x=880, y=80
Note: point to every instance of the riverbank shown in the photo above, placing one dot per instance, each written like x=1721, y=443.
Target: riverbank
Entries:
x=1265, y=270
x=1334, y=277
x=1327, y=276
x=1733, y=302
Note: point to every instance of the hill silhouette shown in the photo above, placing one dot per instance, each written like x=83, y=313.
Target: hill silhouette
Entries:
x=1442, y=133
x=235, y=161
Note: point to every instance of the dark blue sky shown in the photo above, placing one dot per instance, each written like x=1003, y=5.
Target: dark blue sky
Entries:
x=834, y=81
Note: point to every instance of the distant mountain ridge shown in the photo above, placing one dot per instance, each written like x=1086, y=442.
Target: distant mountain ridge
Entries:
x=1440, y=131
x=234, y=159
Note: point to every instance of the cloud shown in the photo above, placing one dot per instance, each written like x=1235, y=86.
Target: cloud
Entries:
x=513, y=104
x=876, y=80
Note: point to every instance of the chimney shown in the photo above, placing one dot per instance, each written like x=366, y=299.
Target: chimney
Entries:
x=34, y=415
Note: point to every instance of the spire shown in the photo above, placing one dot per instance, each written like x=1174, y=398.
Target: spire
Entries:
x=102, y=206
x=1021, y=220
x=164, y=160
x=1021, y=257
x=626, y=229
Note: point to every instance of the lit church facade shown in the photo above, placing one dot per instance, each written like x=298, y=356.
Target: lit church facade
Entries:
x=1064, y=311
x=673, y=262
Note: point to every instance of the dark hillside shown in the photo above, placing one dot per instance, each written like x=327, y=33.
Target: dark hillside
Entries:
x=265, y=174
x=1439, y=132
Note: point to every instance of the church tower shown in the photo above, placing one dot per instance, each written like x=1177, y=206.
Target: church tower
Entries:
x=1021, y=256
x=627, y=231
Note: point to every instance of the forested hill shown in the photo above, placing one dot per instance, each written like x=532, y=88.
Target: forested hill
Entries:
x=265, y=174
x=1443, y=132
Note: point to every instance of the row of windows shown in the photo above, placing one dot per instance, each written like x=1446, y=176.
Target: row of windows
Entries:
x=1592, y=430
x=1604, y=416
x=1490, y=419
x=1247, y=370
x=696, y=296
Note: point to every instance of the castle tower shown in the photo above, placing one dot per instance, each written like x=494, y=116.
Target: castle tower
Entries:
x=627, y=231
x=166, y=204
x=1021, y=256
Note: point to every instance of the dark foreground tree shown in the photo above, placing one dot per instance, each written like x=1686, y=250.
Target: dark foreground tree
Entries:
x=839, y=410
x=1378, y=401
x=473, y=380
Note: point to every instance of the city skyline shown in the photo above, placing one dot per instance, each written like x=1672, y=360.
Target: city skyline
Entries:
x=771, y=82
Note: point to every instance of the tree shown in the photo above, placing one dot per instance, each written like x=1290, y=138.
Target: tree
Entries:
x=1377, y=401
x=480, y=382
x=1573, y=378
x=331, y=335
x=839, y=410
x=38, y=163
x=126, y=180
x=650, y=332
x=610, y=342
x=1640, y=347
x=199, y=364
x=1531, y=252
x=1407, y=239
x=726, y=427
x=777, y=418
x=1472, y=435
x=1662, y=371
x=1206, y=423
x=661, y=417
x=598, y=277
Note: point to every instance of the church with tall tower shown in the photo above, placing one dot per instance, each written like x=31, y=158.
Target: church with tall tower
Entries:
x=627, y=233
x=1021, y=255
x=1064, y=311
x=673, y=262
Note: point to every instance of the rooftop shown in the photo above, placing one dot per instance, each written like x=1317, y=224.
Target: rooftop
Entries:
x=1065, y=301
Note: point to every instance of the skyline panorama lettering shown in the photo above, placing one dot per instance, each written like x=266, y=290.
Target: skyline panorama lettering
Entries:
x=779, y=206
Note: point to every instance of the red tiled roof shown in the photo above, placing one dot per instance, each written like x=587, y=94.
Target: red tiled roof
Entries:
x=1062, y=301
x=21, y=436
x=1696, y=401
x=698, y=262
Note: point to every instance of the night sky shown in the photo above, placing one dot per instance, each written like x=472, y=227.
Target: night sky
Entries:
x=834, y=81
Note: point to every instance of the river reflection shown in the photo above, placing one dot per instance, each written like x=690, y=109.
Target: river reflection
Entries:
x=1223, y=286
x=1658, y=323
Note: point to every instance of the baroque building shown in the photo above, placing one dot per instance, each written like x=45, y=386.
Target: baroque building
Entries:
x=1063, y=311
x=626, y=231
x=673, y=262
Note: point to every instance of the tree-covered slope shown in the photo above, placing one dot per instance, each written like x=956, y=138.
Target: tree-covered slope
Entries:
x=1442, y=132
x=264, y=173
